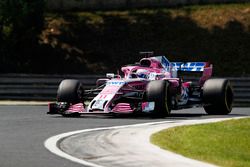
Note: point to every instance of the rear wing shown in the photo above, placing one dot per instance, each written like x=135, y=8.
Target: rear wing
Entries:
x=198, y=67
x=190, y=66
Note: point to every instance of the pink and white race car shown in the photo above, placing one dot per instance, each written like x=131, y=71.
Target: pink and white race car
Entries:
x=151, y=86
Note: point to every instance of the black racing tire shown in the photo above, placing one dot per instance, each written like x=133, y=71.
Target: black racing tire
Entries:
x=73, y=115
x=218, y=96
x=70, y=90
x=158, y=91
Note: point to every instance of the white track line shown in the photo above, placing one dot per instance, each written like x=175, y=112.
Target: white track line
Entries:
x=52, y=143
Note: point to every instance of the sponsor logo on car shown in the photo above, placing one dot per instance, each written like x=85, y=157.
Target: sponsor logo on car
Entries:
x=115, y=83
x=189, y=66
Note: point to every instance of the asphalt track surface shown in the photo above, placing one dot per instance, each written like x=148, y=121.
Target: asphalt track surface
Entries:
x=23, y=130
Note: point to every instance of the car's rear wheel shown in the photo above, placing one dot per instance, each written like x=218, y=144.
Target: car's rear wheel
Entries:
x=218, y=96
x=158, y=92
x=70, y=90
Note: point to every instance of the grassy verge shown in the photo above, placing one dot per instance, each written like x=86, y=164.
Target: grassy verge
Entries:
x=224, y=143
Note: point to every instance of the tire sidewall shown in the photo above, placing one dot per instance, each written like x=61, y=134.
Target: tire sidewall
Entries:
x=70, y=90
x=217, y=96
x=158, y=92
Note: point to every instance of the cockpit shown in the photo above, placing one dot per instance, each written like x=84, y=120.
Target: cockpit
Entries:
x=158, y=64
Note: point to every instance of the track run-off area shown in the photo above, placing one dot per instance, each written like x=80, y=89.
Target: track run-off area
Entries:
x=25, y=130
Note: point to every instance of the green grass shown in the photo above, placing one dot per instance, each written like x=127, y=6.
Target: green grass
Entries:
x=225, y=143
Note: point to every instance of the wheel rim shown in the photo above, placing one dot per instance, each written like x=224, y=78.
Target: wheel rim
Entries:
x=79, y=92
x=229, y=97
x=166, y=101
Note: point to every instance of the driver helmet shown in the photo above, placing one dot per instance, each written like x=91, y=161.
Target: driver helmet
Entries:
x=142, y=73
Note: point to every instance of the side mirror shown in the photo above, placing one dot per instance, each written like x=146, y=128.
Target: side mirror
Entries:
x=110, y=75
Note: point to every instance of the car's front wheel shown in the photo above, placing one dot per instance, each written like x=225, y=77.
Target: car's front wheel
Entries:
x=70, y=90
x=158, y=92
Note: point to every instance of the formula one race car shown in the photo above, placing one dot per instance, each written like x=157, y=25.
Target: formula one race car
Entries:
x=150, y=86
